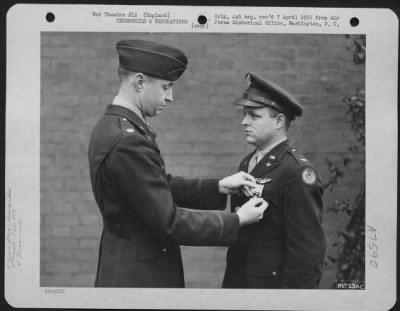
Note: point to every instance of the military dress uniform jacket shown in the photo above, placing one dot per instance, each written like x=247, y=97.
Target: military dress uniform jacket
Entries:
x=137, y=199
x=286, y=248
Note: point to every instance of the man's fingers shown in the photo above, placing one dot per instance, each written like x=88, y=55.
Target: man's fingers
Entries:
x=260, y=203
x=247, y=183
x=247, y=191
x=247, y=176
x=257, y=202
x=263, y=206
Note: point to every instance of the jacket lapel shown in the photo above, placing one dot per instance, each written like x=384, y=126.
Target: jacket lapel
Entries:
x=271, y=160
x=244, y=165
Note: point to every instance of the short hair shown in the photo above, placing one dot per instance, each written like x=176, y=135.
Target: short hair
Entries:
x=273, y=113
x=123, y=74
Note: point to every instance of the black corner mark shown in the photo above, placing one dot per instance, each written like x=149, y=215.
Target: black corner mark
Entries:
x=354, y=21
x=50, y=17
x=202, y=19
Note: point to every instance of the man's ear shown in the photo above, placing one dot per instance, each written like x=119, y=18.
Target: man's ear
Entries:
x=280, y=120
x=137, y=81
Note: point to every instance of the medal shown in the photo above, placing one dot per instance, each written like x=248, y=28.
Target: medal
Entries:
x=258, y=190
x=260, y=182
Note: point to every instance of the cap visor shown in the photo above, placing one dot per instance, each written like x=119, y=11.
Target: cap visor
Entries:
x=248, y=103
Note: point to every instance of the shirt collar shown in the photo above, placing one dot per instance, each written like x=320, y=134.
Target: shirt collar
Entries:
x=119, y=101
x=261, y=153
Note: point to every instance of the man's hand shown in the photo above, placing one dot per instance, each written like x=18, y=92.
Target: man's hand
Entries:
x=239, y=181
x=252, y=211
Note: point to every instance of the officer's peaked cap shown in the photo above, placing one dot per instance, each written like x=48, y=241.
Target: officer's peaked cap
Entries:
x=150, y=58
x=264, y=93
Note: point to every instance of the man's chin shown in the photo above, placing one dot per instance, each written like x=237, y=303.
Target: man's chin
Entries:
x=158, y=111
x=250, y=140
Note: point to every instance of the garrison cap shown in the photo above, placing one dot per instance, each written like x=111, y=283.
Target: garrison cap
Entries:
x=150, y=58
x=264, y=93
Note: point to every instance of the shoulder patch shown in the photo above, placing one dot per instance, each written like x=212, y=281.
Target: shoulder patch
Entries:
x=309, y=176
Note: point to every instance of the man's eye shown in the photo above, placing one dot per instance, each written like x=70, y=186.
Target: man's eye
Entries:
x=167, y=87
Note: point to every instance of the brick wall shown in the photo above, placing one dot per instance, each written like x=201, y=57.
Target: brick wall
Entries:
x=199, y=134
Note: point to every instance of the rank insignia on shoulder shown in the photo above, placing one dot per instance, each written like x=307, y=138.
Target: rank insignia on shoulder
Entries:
x=263, y=180
x=130, y=130
x=309, y=176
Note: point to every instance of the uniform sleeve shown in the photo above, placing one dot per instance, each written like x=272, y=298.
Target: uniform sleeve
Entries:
x=305, y=240
x=197, y=193
x=144, y=186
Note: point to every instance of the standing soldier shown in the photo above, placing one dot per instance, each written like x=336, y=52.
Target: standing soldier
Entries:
x=137, y=199
x=286, y=249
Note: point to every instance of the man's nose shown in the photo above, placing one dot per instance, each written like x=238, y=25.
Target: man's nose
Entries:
x=170, y=96
x=245, y=121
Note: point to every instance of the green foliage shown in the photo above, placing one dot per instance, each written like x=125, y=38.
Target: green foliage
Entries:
x=350, y=242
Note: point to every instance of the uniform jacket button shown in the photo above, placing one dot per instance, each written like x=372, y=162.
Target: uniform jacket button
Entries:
x=273, y=273
x=164, y=250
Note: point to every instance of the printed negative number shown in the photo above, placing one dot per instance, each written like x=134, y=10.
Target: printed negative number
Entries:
x=350, y=285
x=373, y=246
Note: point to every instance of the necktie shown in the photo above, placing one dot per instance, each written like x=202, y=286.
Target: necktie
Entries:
x=253, y=162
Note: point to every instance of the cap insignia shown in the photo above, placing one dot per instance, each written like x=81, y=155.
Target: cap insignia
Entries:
x=248, y=82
